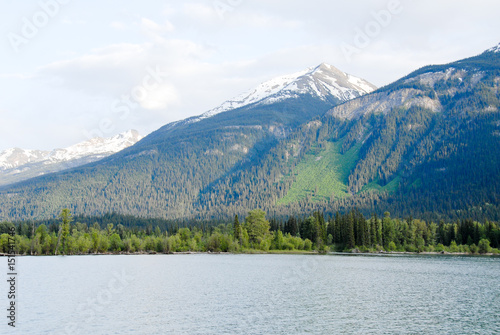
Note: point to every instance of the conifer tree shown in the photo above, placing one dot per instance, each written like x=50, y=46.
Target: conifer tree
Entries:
x=237, y=229
x=64, y=229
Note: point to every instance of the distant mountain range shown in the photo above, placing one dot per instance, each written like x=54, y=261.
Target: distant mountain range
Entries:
x=20, y=164
x=426, y=145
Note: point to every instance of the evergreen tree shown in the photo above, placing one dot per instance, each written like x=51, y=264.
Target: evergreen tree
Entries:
x=308, y=228
x=388, y=230
x=64, y=229
x=291, y=226
x=237, y=229
x=337, y=237
x=350, y=238
x=256, y=225
x=373, y=229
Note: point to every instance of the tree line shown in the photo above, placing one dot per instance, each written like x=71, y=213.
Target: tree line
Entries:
x=341, y=232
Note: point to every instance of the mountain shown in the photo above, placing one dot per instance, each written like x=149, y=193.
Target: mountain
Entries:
x=494, y=49
x=20, y=164
x=424, y=146
x=324, y=82
x=166, y=173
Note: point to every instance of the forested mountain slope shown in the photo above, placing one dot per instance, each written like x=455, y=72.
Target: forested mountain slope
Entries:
x=166, y=173
x=427, y=145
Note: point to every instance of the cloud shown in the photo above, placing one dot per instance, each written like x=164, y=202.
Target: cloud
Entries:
x=168, y=10
x=69, y=21
x=15, y=76
x=115, y=68
x=154, y=31
x=259, y=20
x=117, y=25
x=161, y=98
x=199, y=12
x=153, y=26
x=103, y=71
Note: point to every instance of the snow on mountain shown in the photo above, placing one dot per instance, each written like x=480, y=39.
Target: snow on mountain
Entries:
x=19, y=164
x=324, y=81
x=96, y=147
x=16, y=157
x=495, y=49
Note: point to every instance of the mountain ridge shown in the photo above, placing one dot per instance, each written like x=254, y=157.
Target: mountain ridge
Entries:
x=320, y=80
x=18, y=164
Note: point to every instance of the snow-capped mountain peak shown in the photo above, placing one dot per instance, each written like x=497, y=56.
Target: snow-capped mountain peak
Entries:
x=96, y=146
x=19, y=164
x=324, y=81
x=15, y=157
x=495, y=49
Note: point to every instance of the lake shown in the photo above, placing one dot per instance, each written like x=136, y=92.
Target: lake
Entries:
x=256, y=294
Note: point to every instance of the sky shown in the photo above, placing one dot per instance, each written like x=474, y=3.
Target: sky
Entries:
x=71, y=70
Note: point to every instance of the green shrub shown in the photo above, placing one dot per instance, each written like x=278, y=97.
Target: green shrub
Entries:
x=484, y=246
x=440, y=247
x=308, y=244
x=473, y=248
x=453, y=246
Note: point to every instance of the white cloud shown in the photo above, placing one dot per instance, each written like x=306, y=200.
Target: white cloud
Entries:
x=69, y=21
x=200, y=12
x=156, y=33
x=168, y=10
x=153, y=27
x=161, y=98
x=100, y=72
x=15, y=76
x=117, y=25
x=258, y=20
x=115, y=68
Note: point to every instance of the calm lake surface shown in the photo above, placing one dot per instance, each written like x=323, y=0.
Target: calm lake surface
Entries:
x=256, y=294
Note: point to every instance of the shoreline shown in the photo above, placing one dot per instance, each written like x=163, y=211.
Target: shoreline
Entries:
x=275, y=252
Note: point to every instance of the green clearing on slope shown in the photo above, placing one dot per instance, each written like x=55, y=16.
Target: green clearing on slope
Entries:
x=390, y=187
x=322, y=174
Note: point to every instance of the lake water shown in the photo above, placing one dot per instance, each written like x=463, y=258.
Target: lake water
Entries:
x=256, y=294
